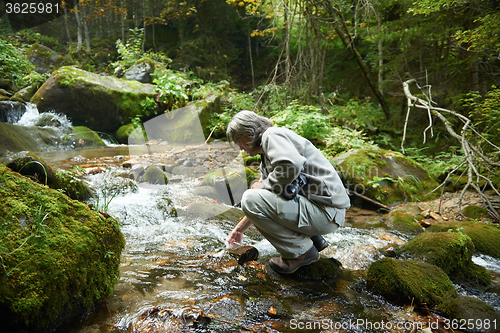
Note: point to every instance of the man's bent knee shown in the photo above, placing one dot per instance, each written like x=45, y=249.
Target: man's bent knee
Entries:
x=249, y=200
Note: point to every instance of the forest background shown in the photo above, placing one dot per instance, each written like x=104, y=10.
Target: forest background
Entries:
x=331, y=69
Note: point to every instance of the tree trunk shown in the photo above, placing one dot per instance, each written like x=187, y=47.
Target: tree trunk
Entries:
x=86, y=28
x=250, y=54
x=78, y=26
x=286, y=42
x=66, y=25
x=345, y=36
x=380, y=54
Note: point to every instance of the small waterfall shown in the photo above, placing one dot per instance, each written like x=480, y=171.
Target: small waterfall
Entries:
x=30, y=114
x=32, y=117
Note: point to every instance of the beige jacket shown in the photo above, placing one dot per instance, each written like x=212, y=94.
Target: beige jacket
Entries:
x=287, y=154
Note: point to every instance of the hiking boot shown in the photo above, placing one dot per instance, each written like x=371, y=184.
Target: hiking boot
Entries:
x=288, y=266
x=319, y=242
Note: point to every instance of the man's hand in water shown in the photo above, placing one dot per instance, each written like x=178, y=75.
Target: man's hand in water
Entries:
x=235, y=238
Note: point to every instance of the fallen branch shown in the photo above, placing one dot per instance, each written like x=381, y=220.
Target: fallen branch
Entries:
x=381, y=205
x=473, y=155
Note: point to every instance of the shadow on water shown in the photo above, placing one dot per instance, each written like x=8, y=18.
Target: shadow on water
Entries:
x=176, y=275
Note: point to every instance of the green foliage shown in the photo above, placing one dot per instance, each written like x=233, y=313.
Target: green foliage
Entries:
x=30, y=37
x=485, y=35
x=358, y=115
x=103, y=201
x=220, y=88
x=131, y=51
x=170, y=91
x=34, y=78
x=439, y=164
x=307, y=121
x=13, y=64
x=485, y=113
x=233, y=103
x=340, y=140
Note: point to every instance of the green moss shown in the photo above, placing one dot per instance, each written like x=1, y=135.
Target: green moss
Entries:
x=57, y=254
x=404, y=222
x=474, y=275
x=324, y=269
x=386, y=176
x=469, y=309
x=123, y=133
x=484, y=236
x=155, y=175
x=251, y=175
x=88, y=137
x=409, y=281
x=475, y=212
x=71, y=186
x=251, y=160
x=451, y=251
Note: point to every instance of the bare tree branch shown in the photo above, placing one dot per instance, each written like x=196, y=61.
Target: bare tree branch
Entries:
x=473, y=154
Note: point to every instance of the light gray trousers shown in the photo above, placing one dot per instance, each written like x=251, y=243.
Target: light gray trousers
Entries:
x=288, y=224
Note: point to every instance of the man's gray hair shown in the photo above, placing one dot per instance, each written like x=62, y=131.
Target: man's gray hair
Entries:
x=248, y=124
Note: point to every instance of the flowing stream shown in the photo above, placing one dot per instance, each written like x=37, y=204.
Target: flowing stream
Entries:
x=173, y=273
x=176, y=276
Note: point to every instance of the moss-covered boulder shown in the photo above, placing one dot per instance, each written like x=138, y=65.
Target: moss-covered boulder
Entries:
x=409, y=281
x=385, y=176
x=58, y=256
x=451, y=251
x=475, y=212
x=404, y=222
x=325, y=268
x=484, y=236
x=468, y=310
x=155, y=175
x=33, y=167
x=123, y=133
x=102, y=103
x=84, y=137
x=26, y=93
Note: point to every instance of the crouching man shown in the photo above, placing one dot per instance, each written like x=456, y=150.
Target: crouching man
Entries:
x=299, y=197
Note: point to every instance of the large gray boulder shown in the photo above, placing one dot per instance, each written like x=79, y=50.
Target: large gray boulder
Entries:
x=102, y=103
